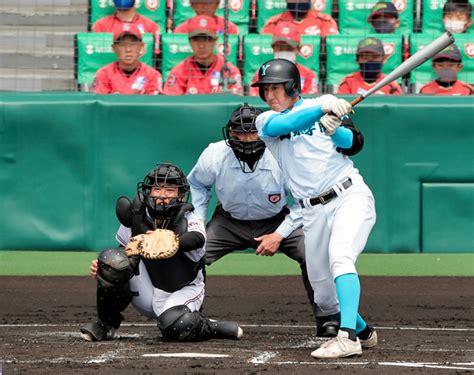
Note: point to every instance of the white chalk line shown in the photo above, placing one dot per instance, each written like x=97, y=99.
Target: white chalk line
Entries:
x=296, y=326
x=187, y=355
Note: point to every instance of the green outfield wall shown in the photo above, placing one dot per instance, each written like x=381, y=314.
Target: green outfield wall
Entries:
x=65, y=158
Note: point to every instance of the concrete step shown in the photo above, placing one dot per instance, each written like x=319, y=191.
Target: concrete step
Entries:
x=25, y=60
x=43, y=10
x=36, y=80
x=36, y=39
x=34, y=3
x=74, y=15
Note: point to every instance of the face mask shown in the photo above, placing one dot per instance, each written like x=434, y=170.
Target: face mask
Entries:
x=287, y=55
x=370, y=70
x=299, y=10
x=454, y=26
x=383, y=27
x=446, y=75
x=248, y=153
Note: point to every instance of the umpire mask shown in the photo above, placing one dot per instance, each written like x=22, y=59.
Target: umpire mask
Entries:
x=242, y=122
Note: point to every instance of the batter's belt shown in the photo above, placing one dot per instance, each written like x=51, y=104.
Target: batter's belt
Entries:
x=327, y=196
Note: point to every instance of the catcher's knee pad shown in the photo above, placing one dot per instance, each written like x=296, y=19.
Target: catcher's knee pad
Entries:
x=114, y=269
x=179, y=323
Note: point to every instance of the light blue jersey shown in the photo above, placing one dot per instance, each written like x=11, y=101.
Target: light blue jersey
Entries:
x=245, y=196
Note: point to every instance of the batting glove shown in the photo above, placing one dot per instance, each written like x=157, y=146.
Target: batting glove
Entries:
x=330, y=123
x=338, y=107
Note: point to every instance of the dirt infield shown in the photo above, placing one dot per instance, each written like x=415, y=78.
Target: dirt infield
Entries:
x=425, y=325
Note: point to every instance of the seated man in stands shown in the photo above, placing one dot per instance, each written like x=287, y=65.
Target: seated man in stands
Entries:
x=457, y=16
x=309, y=21
x=384, y=18
x=206, y=8
x=285, y=43
x=447, y=64
x=126, y=16
x=204, y=72
x=128, y=75
x=370, y=56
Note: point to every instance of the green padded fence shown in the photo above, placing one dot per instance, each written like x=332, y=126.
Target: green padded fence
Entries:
x=432, y=15
x=153, y=9
x=341, y=54
x=66, y=158
x=258, y=49
x=353, y=16
x=176, y=48
x=239, y=11
x=269, y=8
x=94, y=50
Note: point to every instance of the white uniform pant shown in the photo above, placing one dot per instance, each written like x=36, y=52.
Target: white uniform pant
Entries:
x=152, y=301
x=335, y=235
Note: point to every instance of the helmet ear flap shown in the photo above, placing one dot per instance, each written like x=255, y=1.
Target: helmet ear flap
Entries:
x=291, y=89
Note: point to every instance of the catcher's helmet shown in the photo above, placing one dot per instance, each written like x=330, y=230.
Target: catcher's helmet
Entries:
x=279, y=71
x=163, y=175
x=242, y=121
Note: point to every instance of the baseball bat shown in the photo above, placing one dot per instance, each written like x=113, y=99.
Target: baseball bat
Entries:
x=411, y=63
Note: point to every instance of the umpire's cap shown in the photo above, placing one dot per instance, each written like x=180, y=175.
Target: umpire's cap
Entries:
x=279, y=71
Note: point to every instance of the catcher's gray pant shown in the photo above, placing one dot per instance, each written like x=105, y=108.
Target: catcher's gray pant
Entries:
x=226, y=234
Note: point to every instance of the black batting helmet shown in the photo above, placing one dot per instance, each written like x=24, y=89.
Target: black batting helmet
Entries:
x=279, y=71
x=163, y=175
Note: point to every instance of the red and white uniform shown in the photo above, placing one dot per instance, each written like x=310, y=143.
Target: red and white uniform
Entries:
x=183, y=28
x=315, y=23
x=113, y=24
x=355, y=84
x=187, y=78
x=110, y=79
x=459, y=88
x=309, y=81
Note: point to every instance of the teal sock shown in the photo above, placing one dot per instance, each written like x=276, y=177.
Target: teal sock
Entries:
x=348, y=293
x=361, y=324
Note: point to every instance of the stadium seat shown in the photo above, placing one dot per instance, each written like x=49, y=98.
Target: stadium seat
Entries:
x=424, y=73
x=341, y=56
x=257, y=50
x=238, y=13
x=269, y=8
x=175, y=48
x=155, y=10
x=94, y=50
x=353, y=16
x=432, y=14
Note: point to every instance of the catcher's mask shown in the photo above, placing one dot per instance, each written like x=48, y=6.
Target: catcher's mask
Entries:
x=163, y=208
x=242, y=121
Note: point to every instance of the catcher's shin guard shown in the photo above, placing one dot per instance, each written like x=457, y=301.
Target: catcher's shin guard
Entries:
x=97, y=331
x=179, y=323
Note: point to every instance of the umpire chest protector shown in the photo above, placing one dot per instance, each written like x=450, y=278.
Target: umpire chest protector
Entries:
x=170, y=274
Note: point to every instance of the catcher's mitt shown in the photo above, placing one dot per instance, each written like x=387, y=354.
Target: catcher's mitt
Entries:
x=159, y=244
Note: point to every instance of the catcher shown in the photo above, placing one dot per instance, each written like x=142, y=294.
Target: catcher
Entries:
x=158, y=267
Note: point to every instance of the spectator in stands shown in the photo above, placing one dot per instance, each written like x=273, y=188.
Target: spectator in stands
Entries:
x=285, y=43
x=370, y=56
x=204, y=72
x=128, y=75
x=384, y=18
x=207, y=8
x=457, y=16
x=447, y=64
x=309, y=21
x=126, y=16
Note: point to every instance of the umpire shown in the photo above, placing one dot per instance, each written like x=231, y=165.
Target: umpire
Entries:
x=252, y=209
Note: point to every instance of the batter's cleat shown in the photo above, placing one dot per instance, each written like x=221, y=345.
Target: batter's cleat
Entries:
x=371, y=340
x=97, y=331
x=340, y=346
x=225, y=329
x=327, y=326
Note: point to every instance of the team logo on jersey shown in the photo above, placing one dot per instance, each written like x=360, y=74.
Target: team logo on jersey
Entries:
x=312, y=30
x=215, y=78
x=171, y=79
x=139, y=83
x=263, y=69
x=192, y=90
x=274, y=197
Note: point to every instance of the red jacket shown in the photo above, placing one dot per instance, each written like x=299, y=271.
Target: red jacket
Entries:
x=187, y=78
x=315, y=23
x=459, y=88
x=113, y=24
x=110, y=79
x=355, y=84
x=183, y=28
x=309, y=81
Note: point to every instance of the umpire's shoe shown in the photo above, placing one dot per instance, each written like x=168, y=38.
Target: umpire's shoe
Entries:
x=370, y=341
x=225, y=329
x=340, y=346
x=97, y=331
x=328, y=326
